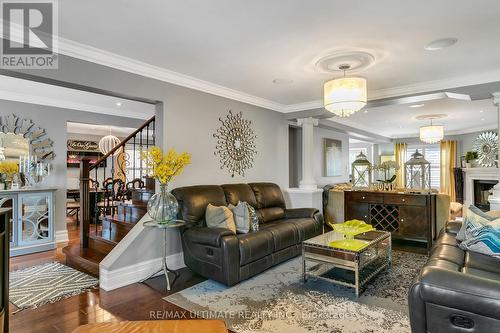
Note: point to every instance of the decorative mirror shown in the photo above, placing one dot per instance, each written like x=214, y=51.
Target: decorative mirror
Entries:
x=486, y=146
x=332, y=157
x=20, y=137
x=235, y=144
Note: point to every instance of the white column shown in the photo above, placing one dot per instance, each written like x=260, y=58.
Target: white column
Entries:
x=494, y=199
x=307, y=195
x=307, y=182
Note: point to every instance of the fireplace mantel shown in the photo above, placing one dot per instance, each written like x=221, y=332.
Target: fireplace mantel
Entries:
x=472, y=174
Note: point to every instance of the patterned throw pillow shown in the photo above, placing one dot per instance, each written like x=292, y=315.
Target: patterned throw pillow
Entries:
x=480, y=234
x=474, y=218
x=254, y=219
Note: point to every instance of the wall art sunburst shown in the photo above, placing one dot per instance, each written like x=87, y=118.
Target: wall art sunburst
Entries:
x=235, y=144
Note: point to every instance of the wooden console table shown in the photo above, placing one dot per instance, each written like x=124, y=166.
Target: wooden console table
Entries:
x=407, y=216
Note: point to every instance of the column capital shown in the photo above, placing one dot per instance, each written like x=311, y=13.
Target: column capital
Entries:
x=307, y=121
x=496, y=98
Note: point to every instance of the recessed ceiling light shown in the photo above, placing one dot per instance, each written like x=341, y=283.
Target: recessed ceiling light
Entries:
x=482, y=119
x=481, y=111
x=118, y=104
x=440, y=44
x=416, y=105
x=282, y=81
x=366, y=111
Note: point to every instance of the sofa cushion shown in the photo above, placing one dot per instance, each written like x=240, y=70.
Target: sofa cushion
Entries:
x=270, y=214
x=284, y=234
x=481, y=273
x=254, y=246
x=482, y=261
x=446, y=239
x=450, y=253
x=268, y=195
x=444, y=264
x=193, y=201
x=453, y=227
x=239, y=192
x=474, y=220
x=307, y=227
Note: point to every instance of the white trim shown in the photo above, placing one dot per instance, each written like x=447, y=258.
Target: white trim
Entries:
x=61, y=236
x=109, y=59
x=121, y=277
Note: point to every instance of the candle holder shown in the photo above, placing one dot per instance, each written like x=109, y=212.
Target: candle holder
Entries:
x=34, y=171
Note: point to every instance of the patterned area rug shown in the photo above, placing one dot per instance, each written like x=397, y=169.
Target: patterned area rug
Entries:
x=278, y=301
x=48, y=283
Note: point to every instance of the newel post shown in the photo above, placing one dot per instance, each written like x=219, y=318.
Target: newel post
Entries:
x=84, y=202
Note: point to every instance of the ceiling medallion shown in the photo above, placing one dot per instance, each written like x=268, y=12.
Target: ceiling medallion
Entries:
x=357, y=61
x=345, y=96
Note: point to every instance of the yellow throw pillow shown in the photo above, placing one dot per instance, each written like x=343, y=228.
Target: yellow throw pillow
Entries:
x=220, y=217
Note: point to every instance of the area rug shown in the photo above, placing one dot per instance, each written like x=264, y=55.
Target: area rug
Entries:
x=278, y=301
x=48, y=283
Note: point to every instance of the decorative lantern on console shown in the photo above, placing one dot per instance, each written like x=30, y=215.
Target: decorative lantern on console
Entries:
x=418, y=172
x=361, y=172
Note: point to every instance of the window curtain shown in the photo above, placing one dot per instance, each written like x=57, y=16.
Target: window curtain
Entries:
x=448, y=162
x=400, y=152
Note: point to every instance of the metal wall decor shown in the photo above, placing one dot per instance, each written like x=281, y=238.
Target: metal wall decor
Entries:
x=486, y=146
x=235, y=144
x=40, y=144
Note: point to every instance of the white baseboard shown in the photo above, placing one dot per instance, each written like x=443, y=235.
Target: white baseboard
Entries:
x=62, y=236
x=124, y=276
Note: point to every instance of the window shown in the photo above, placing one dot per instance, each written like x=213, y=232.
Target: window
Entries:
x=432, y=153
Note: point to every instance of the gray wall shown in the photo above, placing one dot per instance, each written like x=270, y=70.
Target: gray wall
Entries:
x=53, y=120
x=189, y=118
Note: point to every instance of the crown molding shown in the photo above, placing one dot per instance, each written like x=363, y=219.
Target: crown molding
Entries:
x=105, y=58
x=95, y=55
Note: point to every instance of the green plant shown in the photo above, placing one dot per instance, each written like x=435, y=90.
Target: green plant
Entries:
x=470, y=155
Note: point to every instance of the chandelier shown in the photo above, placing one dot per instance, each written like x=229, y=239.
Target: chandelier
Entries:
x=345, y=96
x=108, y=143
x=431, y=133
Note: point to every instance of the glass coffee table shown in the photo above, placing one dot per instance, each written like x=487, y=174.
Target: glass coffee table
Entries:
x=352, y=268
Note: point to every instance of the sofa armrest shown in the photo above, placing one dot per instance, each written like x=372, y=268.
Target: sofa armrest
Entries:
x=453, y=227
x=297, y=213
x=207, y=236
x=460, y=291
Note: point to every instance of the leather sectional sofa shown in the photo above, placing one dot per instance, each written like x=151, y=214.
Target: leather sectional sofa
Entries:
x=457, y=291
x=219, y=254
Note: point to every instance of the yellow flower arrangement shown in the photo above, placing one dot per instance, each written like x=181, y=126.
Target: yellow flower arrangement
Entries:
x=165, y=167
x=8, y=168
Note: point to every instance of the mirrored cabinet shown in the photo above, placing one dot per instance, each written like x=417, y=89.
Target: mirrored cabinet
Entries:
x=31, y=219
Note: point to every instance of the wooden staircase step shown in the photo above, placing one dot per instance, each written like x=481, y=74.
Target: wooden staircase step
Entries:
x=83, y=259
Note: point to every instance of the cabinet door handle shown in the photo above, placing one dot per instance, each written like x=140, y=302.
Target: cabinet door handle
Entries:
x=404, y=200
x=402, y=220
x=364, y=198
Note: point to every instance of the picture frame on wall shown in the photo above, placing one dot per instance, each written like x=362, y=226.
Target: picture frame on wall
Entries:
x=332, y=157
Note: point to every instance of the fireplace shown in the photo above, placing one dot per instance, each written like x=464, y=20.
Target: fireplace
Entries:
x=482, y=189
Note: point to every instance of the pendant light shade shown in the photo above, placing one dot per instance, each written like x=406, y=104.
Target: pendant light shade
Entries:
x=107, y=143
x=431, y=133
x=346, y=95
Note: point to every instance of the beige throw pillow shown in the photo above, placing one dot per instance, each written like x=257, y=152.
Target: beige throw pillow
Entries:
x=219, y=217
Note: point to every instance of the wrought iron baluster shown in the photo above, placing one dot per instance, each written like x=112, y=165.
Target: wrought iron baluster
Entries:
x=96, y=194
x=133, y=168
x=113, y=194
x=141, y=151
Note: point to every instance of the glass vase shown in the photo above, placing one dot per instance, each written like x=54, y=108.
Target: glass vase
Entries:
x=162, y=207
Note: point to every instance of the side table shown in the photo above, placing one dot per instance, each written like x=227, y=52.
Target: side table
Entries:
x=164, y=268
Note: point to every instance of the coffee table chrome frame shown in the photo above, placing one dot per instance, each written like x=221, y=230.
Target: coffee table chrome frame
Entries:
x=347, y=264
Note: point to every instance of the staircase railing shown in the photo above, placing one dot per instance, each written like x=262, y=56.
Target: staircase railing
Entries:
x=100, y=194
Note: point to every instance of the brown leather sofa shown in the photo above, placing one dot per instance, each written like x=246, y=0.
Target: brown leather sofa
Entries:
x=219, y=254
x=457, y=291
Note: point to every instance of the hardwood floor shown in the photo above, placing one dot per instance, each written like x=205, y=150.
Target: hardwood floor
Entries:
x=134, y=302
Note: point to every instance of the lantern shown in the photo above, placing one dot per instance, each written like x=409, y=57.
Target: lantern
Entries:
x=418, y=173
x=361, y=172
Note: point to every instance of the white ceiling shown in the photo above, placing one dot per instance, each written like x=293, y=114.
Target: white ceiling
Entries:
x=244, y=45
x=397, y=121
x=27, y=91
